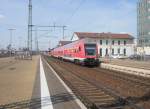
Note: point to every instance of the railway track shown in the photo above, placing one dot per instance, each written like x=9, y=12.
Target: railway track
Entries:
x=93, y=94
x=117, y=80
x=136, y=80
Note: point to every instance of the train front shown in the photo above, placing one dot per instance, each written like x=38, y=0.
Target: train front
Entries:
x=91, y=56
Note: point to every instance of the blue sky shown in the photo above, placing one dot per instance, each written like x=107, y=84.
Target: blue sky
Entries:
x=78, y=15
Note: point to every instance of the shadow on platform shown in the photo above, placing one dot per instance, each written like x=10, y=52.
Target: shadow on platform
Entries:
x=36, y=102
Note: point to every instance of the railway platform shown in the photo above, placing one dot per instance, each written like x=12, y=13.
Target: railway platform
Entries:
x=32, y=84
x=131, y=63
x=16, y=79
x=139, y=68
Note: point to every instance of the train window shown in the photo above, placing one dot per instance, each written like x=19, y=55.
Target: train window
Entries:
x=90, y=49
x=90, y=52
x=79, y=48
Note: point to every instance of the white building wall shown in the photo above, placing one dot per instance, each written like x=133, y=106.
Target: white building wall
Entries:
x=129, y=47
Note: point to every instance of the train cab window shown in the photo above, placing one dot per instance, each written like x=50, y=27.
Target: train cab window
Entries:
x=90, y=49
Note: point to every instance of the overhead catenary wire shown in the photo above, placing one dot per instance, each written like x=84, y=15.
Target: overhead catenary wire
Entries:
x=75, y=11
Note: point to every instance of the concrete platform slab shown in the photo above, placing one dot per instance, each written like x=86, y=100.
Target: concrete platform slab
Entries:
x=17, y=79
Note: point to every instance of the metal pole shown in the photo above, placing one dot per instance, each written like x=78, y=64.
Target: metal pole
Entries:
x=10, y=43
x=29, y=44
x=49, y=44
x=64, y=32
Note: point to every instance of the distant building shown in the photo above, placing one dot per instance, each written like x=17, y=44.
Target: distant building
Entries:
x=143, y=23
x=109, y=43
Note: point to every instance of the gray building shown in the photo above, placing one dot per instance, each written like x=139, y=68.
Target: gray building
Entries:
x=143, y=23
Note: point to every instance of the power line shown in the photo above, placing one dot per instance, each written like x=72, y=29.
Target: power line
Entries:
x=54, y=26
x=72, y=15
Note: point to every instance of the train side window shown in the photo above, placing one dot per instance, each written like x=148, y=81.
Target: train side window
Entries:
x=79, y=48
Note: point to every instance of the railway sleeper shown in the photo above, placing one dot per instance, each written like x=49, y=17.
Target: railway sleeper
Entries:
x=90, y=91
x=108, y=99
x=88, y=88
x=95, y=94
x=100, y=97
x=104, y=104
x=83, y=84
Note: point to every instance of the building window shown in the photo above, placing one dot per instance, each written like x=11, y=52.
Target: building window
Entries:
x=113, y=42
x=113, y=51
x=118, y=42
x=100, y=52
x=106, y=52
x=101, y=42
x=118, y=50
x=125, y=42
x=124, y=52
x=106, y=42
x=146, y=40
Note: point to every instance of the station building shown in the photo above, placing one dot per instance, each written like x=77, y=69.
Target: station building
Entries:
x=109, y=43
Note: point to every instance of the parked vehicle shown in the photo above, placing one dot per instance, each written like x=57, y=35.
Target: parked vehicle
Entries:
x=135, y=56
x=83, y=52
x=140, y=57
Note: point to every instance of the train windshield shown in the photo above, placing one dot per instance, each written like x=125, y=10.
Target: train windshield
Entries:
x=90, y=49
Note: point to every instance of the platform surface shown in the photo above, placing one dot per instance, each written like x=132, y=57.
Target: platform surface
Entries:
x=16, y=79
x=21, y=86
x=129, y=63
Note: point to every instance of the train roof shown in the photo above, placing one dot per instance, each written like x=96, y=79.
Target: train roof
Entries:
x=61, y=43
x=85, y=40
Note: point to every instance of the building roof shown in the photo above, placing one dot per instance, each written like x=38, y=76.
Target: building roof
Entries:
x=61, y=43
x=81, y=35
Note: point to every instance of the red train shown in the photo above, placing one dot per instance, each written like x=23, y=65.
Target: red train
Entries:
x=82, y=52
